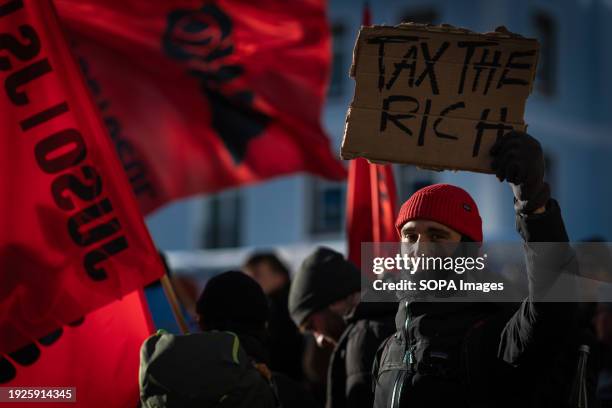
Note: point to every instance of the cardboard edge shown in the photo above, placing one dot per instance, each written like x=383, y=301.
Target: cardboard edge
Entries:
x=448, y=29
x=350, y=155
x=353, y=68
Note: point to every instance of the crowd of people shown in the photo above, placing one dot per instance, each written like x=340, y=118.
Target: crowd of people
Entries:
x=270, y=340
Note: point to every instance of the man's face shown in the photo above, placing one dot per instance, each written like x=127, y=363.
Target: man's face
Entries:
x=264, y=274
x=325, y=325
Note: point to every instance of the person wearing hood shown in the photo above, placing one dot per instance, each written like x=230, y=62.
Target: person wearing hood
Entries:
x=324, y=300
x=225, y=365
x=234, y=302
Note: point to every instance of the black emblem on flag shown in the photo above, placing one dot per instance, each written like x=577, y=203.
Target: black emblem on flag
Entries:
x=202, y=40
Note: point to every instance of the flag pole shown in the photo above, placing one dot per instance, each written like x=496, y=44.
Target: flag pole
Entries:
x=174, y=303
x=171, y=295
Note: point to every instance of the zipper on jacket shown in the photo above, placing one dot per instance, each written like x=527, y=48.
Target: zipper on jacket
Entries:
x=408, y=359
x=397, y=389
x=408, y=356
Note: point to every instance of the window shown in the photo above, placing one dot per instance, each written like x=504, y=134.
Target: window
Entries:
x=546, y=33
x=328, y=202
x=222, y=221
x=409, y=180
x=340, y=67
x=421, y=16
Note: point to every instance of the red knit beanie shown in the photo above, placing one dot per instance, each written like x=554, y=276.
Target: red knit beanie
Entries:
x=449, y=205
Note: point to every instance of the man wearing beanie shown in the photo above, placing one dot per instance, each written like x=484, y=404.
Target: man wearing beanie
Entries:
x=483, y=354
x=324, y=299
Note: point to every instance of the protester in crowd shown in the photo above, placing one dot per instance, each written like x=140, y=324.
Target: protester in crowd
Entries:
x=201, y=370
x=234, y=302
x=180, y=371
x=325, y=300
x=286, y=344
x=485, y=354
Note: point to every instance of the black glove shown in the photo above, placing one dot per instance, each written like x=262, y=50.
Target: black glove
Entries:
x=518, y=158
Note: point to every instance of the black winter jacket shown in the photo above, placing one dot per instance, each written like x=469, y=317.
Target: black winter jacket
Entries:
x=349, y=378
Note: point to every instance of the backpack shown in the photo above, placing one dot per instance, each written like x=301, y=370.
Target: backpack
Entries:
x=200, y=370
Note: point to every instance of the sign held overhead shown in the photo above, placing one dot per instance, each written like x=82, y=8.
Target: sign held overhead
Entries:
x=436, y=96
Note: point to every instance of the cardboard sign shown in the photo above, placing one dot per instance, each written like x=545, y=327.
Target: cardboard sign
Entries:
x=436, y=96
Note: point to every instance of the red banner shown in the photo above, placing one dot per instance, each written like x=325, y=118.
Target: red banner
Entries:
x=99, y=357
x=371, y=206
x=72, y=238
x=201, y=96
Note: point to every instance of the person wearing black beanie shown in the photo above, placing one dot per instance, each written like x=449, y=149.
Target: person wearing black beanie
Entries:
x=232, y=301
x=324, y=299
x=325, y=277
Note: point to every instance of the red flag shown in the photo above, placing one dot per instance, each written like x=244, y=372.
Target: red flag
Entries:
x=201, y=96
x=371, y=206
x=371, y=201
x=72, y=238
x=99, y=357
x=366, y=18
